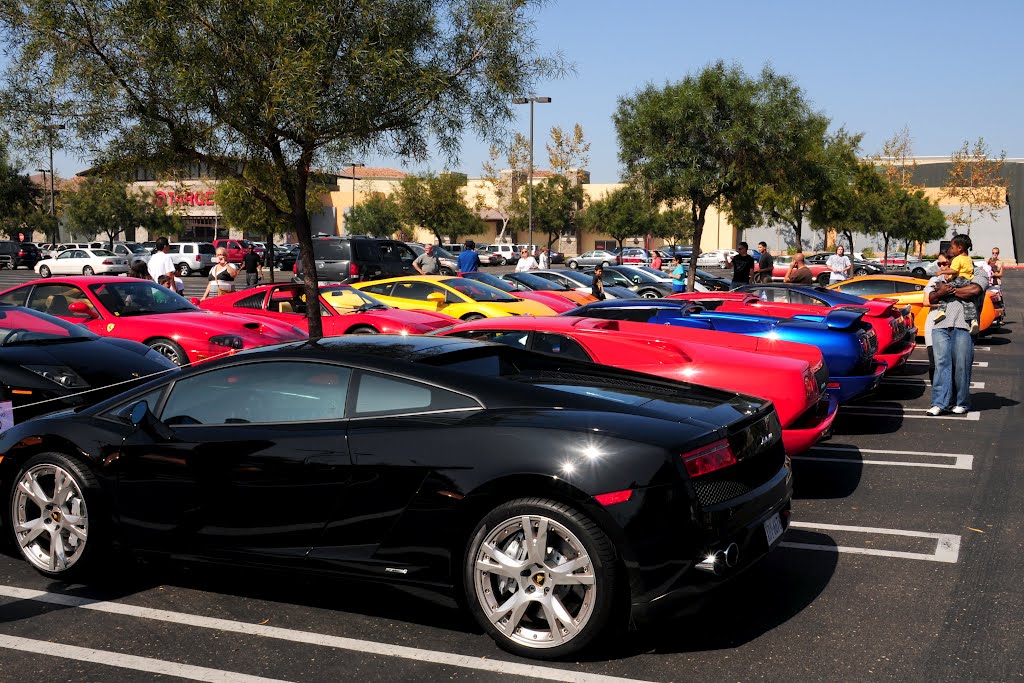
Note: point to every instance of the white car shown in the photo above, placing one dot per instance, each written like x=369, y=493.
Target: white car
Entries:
x=715, y=259
x=83, y=262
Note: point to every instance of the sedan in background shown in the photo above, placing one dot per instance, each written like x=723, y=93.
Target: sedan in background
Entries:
x=860, y=266
x=635, y=256
x=553, y=300
x=337, y=457
x=796, y=385
x=528, y=282
x=143, y=311
x=716, y=258
x=454, y=296
x=47, y=364
x=343, y=310
x=644, y=284
x=582, y=283
x=598, y=257
x=83, y=262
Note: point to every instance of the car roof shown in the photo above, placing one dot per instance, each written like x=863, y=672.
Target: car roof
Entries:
x=895, y=278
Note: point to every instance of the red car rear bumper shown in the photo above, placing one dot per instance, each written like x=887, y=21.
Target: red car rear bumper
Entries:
x=897, y=354
x=813, y=426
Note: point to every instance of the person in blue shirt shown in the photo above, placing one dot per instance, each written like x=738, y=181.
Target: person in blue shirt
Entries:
x=469, y=260
x=678, y=275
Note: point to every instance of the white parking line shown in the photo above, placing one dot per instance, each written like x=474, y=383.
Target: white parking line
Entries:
x=915, y=382
x=977, y=363
x=153, y=666
x=961, y=461
x=947, y=546
x=891, y=411
x=338, y=642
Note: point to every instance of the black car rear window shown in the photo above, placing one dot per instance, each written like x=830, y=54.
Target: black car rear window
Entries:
x=366, y=250
x=207, y=248
x=331, y=250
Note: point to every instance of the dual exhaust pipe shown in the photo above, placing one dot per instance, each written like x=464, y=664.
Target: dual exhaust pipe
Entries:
x=718, y=561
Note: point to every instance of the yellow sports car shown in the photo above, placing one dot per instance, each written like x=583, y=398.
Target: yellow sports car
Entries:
x=908, y=291
x=455, y=296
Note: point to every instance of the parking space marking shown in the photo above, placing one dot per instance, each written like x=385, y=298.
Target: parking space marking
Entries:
x=961, y=461
x=133, y=662
x=947, y=546
x=868, y=410
x=982, y=348
x=977, y=363
x=309, y=638
x=915, y=382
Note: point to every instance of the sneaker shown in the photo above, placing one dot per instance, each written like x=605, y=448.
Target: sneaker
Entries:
x=939, y=317
x=935, y=410
x=959, y=410
x=975, y=328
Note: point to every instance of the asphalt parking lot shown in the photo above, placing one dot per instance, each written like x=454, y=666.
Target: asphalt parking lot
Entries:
x=903, y=563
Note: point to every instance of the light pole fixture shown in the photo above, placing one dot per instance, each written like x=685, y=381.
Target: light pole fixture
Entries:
x=354, y=165
x=531, y=100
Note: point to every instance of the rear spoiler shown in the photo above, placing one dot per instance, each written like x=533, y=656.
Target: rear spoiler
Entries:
x=844, y=319
x=876, y=308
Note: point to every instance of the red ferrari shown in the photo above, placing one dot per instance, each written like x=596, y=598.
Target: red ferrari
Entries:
x=343, y=310
x=792, y=376
x=896, y=339
x=143, y=311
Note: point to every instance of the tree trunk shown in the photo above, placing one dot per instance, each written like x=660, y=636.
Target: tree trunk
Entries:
x=699, y=214
x=303, y=230
x=270, y=255
x=849, y=238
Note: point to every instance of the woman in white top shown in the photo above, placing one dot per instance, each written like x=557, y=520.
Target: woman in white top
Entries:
x=222, y=276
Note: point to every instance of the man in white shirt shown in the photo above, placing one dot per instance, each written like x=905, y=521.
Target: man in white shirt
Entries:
x=840, y=266
x=526, y=262
x=161, y=263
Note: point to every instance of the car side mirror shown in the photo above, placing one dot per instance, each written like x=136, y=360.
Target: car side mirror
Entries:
x=194, y=301
x=143, y=418
x=80, y=309
x=436, y=297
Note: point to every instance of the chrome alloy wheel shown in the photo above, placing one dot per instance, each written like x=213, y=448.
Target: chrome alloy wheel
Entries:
x=51, y=523
x=535, y=581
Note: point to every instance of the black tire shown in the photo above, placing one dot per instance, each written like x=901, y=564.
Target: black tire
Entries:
x=363, y=329
x=598, y=605
x=650, y=294
x=574, y=265
x=44, y=271
x=822, y=279
x=605, y=264
x=88, y=271
x=470, y=317
x=184, y=270
x=448, y=271
x=170, y=349
x=860, y=271
x=503, y=261
x=919, y=273
x=88, y=505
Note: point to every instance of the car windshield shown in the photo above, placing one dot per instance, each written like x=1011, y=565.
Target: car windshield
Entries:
x=347, y=299
x=539, y=283
x=478, y=291
x=654, y=272
x=576, y=276
x=491, y=280
x=135, y=248
x=24, y=326
x=139, y=297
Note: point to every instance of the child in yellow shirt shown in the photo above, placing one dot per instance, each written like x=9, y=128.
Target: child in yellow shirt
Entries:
x=959, y=274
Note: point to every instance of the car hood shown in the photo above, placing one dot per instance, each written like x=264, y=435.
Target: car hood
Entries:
x=428, y=319
x=557, y=303
x=100, y=362
x=204, y=324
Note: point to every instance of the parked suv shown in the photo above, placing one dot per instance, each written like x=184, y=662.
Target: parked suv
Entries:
x=345, y=259
x=21, y=253
x=132, y=251
x=192, y=257
x=506, y=253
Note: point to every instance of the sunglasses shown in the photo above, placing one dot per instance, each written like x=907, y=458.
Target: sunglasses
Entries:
x=942, y=263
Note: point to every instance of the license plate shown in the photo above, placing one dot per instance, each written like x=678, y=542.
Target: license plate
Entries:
x=773, y=528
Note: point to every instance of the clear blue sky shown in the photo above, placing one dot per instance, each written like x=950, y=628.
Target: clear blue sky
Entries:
x=948, y=71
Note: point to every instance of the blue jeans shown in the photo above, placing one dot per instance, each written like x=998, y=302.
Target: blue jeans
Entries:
x=954, y=355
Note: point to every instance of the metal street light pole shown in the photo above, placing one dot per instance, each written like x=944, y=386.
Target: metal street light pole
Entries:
x=352, y=208
x=44, y=172
x=531, y=100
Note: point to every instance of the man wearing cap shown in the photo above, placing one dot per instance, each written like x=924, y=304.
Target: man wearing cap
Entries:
x=742, y=265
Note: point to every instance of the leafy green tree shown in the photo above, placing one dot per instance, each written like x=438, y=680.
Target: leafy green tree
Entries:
x=821, y=164
x=556, y=201
x=673, y=225
x=103, y=205
x=17, y=196
x=294, y=85
x=506, y=197
x=853, y=204
x=380, y=216
x=435, y=202
x=977, y=182
x=702, y=140
x=919, y=218
x=624, y=213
